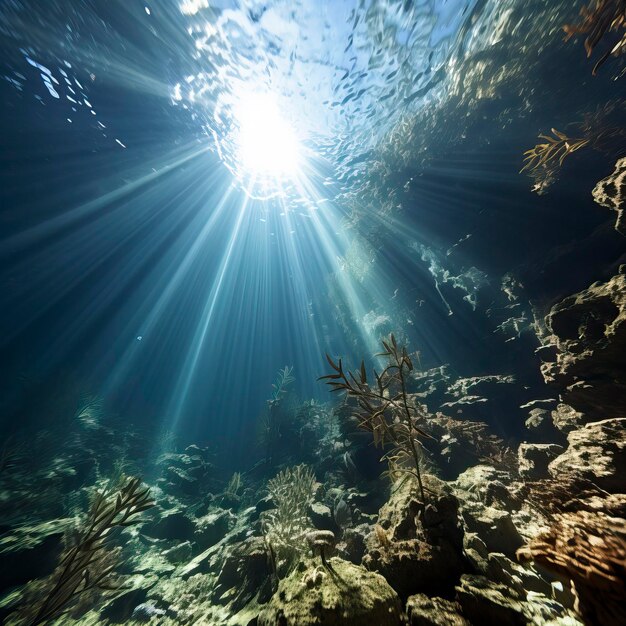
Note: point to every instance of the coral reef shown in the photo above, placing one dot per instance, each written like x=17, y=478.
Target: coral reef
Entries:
x=342, y=595
x=590, y=549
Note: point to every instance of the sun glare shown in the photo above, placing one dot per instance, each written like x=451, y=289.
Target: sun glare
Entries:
x=266, y=142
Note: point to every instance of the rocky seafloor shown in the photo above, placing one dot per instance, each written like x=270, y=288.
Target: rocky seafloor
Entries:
x=525, y=532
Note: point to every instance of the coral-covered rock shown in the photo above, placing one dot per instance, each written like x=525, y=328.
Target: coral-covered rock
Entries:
x=352, y=545
x=589, y=330
x=412, y=565
x=345, y=595
x=611, y=192
x=170, y=525
x=590, y=549
x=596, y=453
x=179, y=553
x=422, y=551
x=494, y=526
x=541, y=426
x=424, y=611
x=534, y=459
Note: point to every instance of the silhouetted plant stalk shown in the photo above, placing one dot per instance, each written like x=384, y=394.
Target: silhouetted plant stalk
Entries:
x=89, y=564
x=385, y=410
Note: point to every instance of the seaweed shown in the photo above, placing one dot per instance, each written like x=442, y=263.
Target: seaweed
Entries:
x=88, y=565
x=599, y=18
x=271, y=421
x=543, y=161
x=385, y=410
x=285, y=527
x=596, y=131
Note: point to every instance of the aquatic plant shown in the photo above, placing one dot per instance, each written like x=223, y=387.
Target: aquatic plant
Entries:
x=285, y=527
x=599, y=18
x=271, y=421
x=231, y=492
x=589, y=548
x=284, y=378
x=385, y=410
x=544, y=160
x=88, y=566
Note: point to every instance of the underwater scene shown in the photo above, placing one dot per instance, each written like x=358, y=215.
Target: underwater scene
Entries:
x=313, y=312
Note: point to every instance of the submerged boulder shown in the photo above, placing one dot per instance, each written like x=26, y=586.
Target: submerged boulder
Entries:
x=533, y=459
x=342, y=595
x=418, y=548
x=424, y=611
x=596, y=453
x=611, y=193
x=589, y=332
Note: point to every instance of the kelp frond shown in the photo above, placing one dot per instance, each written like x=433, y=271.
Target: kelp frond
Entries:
x=597, y=131
x=599, y=18
x=89, y=564
x=547, y=157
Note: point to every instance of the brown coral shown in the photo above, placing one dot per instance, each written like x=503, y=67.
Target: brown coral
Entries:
x=590, y=549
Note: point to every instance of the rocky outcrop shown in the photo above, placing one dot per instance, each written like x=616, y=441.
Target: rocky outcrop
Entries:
x=590, y=549
x=417, y=548
x=534, y=458
x=589, y=331
x=424, y=611
x=342, y=595
x=597, y=454
x=611, y=193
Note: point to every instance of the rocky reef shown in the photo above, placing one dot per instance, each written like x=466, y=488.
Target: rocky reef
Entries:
x=611, y=193
x=588, y=336
x=487, y=533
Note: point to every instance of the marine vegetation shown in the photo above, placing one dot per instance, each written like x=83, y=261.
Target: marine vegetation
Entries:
x=590, y=549
x=283, y=380
x=234, y=486
x=271, y=420
x=599, y=18
x=286, y=526
x=87, y=567
x=385, y=410
x=543, y=162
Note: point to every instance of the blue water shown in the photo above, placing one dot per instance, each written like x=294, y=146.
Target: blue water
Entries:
x=141, y=261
